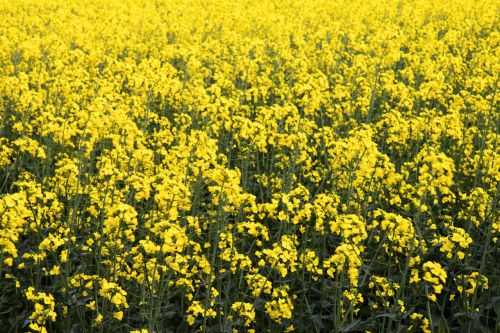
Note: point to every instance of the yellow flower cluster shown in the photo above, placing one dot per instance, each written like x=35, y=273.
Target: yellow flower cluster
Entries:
x=44, y=309
x=245, y=311
x=280, y=307
x=423, y=323
x=249, y=166
x=469, y=284
x=436, y=276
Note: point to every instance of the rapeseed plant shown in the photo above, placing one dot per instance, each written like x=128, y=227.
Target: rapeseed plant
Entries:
x=269, y=166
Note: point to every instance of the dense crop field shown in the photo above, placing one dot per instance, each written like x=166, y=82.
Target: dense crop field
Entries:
x=249, y=166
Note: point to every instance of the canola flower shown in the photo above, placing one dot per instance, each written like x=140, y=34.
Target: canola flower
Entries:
x=249, y=166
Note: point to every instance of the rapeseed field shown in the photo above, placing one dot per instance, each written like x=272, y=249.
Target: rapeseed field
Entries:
x=249, y=166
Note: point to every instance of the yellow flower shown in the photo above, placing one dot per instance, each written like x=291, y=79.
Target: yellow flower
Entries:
x=98, y=319
x=91, y=305
x=8, y=262
x=54, y=271
x=118, y=315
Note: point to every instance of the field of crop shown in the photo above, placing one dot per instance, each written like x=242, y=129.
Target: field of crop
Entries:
x=249, y=166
